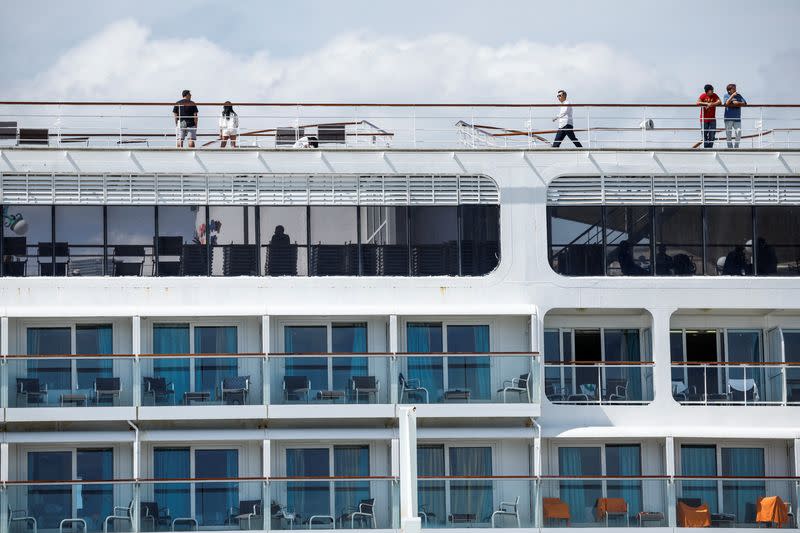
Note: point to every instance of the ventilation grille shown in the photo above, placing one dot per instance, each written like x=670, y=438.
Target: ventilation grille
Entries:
x=706, y=189
x=223, y=189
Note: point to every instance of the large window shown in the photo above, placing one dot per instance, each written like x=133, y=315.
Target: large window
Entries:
x=683, y=240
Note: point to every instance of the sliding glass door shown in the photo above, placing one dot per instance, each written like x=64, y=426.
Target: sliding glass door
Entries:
x=582, y=494
x=700, y=460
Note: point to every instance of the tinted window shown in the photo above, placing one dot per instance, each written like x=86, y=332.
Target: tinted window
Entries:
x=434, y=241
x=576, y=240
x=480, y=239
x=628, y=240
x=729, y=240
x=679, y=241
x=778, y=242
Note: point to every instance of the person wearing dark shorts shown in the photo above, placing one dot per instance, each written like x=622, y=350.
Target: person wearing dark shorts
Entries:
x=564, y=119
x=185, y=112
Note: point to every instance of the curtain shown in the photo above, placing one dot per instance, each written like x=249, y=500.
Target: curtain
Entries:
x=93, y=340
x=307, y=339
x=740, y=496
x=213, y=501
x=471, y=496
x=350, y=461
x=49, y=504
x=623, y=345
x=172, y=339
x=470, y=373
x=55, y=373
x=431, y=493
x=426, y=338
x=95, y=502
x=625, y=460
x=699, y=460
x=580, y=494
x=348, y=338
x=209, y=372
x=308, y=498
x=172, y=463
x=745, y=346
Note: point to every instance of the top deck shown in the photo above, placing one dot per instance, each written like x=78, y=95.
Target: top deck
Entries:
x=134, y=125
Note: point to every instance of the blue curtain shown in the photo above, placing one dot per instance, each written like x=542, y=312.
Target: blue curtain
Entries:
x=623, y=345
x=213, y=501
x=95, y=502
x=49, y=504
x=93, y=340
x=348, y=338
x=307, y=339
x=431, y=493
x=745, y=347
x=625, y=460
x=351, y=461
x=172, y=339
x=740, y=496
x=471, y=373
x=55, y=373
x=426, y=338
x=699, y=460
x=579, y=494
x=209, y=372
x=172, y=463
x=471, y=496
x=308, y=498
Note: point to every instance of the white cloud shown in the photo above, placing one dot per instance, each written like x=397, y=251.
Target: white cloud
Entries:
x=124, y=61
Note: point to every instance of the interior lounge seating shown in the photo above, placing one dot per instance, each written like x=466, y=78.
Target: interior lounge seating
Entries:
x=106, y=389
x=234, y=390
x=128, y=260
x=365, y=385
x=170, y=253
x=516, y=385
x=364, y=513
x=31, y=391
x=507, y=509
x=334, y=260
x=159, y=389
x=411, y=388
x=295, y=387
x=53, y=258
x=15, y=256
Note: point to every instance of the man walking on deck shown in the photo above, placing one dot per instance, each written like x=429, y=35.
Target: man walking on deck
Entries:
x=708, y=115
x=564, y=119
x=733, y=115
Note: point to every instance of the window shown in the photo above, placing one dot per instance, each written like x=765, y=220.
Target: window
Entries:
x=791, y=351
x=679, y=240
x=231, y=233
x=24, y=228
x=629, y=232
x=384, y=241
x=131, y=234
x=284, y=236
x=80, y=228
x=434, y=241
x=778, y=241
x=334, y=241
x=576, y=240
x=182, y=241
x=729, y=240
x=480, y=239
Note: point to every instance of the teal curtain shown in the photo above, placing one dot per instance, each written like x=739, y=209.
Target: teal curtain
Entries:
x=96, y=501
x=308, y=498
x=625, y=460
x=740, y=496
x=623, y=345
x=744, y=346
x=348, y=338
x=210, y=371
x=470, y=373
x=172, y=463
x=699, y=460
x=580, y=494
x=429, y=371
x=431, y=493
x=93, y=340
x=49, y=504
x=307, y=339
x=350, y=461
x=55, y=373
x=471, y=496
x=213, y=501
x=172, y=339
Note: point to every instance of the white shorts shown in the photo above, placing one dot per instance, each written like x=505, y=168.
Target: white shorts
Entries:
x=230, y=132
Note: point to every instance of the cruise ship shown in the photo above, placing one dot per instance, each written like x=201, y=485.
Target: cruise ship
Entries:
x=398, y=318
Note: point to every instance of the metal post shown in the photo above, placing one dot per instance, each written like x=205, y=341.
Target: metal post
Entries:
x=265, y=348
x=136, y=348
x=394, y=363
x=588, y=128
x=672, y=496
x=644, y=127
x=119, y=141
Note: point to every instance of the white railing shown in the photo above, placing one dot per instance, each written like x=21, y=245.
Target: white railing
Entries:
x=399, y=126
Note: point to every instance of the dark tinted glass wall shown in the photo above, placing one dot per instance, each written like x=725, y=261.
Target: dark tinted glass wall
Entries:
x=708, y=240
x=249, y=241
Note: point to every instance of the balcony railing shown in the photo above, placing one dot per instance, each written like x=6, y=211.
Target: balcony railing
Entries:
x=450, y=126
x=121, y=380
x=733, y=383
x=590, y=382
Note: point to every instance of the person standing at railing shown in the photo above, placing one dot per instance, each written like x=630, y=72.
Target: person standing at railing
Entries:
x=185, y=112
x=564, y=119
x=708, y=115
x=733, y=115
x=228, y=125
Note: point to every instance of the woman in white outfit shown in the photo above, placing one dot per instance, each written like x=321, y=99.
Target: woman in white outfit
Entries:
x=228, y=125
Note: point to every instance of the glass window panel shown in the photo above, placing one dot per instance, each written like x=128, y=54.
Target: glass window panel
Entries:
x=553, y=382
x=576, y=240
x=334, y=241
x=434, y=237
x=56, y=374
x=729, y=245
x=778, y=242
x=588, y=347
x=93, y=340
x=623, y=345
x=471, y=496
x=348, y=338
x=95, y=501
x=308, y=498
x=213, y=501
x=311, y=340
x=81, y=227
x=232, y=235
x=133, y=229
x=49, y=504
x=480, y=239
x=431, y=493
x=384, y=241
x=739, y=496
x=172, y=463
x=580, y=495
x=679, y=240
x=791, y=346
x=284, y=238
x=351, y=461
x=628, y=241
x=625, y=460
x=428, y=371
x=210, y=371
x=182, y=236
x=745, y=347
x=470, y=373
x=699, y=460
x=172, y=339
x=24, y=227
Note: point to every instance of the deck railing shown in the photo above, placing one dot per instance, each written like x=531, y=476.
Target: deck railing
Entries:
x=592, y=382
x=129, y=125
x=736, y=383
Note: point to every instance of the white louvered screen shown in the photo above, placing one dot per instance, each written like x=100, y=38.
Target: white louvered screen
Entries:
x=657, y=190
x=248, y=189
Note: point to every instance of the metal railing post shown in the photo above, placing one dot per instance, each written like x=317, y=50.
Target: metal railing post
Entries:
x=705, y=384
x=588, y=127
x=121, y=111
x=414, y=125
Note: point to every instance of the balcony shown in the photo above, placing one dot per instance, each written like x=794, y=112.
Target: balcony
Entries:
x=593, y=383
x=736, y=384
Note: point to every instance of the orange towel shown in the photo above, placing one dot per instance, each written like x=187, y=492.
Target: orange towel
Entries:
x=693, y=516
x=772, y=509
x=555, y=509
x=610, y=505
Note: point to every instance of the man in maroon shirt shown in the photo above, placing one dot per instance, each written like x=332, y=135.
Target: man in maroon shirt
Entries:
x=708, y=113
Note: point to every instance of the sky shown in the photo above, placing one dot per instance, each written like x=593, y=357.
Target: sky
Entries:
x=411, y=51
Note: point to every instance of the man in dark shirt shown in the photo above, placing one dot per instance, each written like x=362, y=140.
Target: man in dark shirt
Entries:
x=708, y=115
x=733, y=115
x=185, y=112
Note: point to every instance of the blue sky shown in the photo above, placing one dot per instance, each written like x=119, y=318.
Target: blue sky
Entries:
x=413, y=51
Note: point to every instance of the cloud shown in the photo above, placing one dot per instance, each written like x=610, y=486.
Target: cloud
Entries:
x=124, y=61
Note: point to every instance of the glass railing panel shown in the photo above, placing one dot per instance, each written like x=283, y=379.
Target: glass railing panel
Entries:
x=70, y=381
x=625, y=383
x=70, y=506
x=734, y=383
x=334, y=503
x=496, y=377
x=357, y=378
x=603, y=501
x=491, y=501
x=735, y=502
x=201, y=379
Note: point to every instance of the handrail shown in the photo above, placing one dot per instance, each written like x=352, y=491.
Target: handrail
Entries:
x=734, y=363
x=369, y=104
x=198, y=480
x=599, y=363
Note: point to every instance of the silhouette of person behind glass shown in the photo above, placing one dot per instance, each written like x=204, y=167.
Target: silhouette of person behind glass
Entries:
x=627, y=264
x=767, y=259
x=735, y=262
x=280, y=238
x=664, y=262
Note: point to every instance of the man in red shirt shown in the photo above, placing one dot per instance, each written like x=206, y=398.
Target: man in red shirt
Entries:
x=708, y=113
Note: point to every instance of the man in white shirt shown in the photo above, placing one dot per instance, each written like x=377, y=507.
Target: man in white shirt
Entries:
x=564, y=119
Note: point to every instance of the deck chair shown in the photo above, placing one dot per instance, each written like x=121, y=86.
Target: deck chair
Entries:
x=149, y=512
x=247, y=511
x=507, y=509
x=296, y=386
x=8, y=131
x=56, y=258
x=742, y=390
x=518, y=385
x=412, y=386
x=171, y=247
x=119, y=513
x=128, y=260
x=105, y=388
x=21, y=516
x=364, y=512
x=365, y=385
x=234, y=389
x=33, y=391
x=617, y=390
x=15, y=256
x=159, y=389
x=34, y=136
x=288, y=136
x=331, y=134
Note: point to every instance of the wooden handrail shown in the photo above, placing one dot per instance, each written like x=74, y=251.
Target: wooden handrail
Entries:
x=734, y=363
x=599, y=363
x=368, y=104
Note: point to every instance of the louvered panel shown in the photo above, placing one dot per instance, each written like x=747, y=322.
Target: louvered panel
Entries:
x=143, y=189
x=41, y=189
x=270, y=190
x=740, y=189
x=91, y=189
x=489, y=192
x=765, y=189
x=320, y=189
x=220, y=189
x=420, y=189
x=690, y=189
x=195, y=189
x=345, y=190
x=576, y=190
x=244, y=189
x=118, y=189
x=665, y=189
x=789, y=189
x=66, y=189
x=628, y=189
x=445, y=190
x=295, y=190
x=15, y=189
x=370, y=190
x=469, y=189
x=396, y=190
x=715, y=189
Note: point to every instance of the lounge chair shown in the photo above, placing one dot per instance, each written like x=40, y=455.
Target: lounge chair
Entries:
x=56, y=257
x=119, y=513
x=365, y=385
x=15, y=256
x=195, y=259
x=234, y=389
x=288, y=136
x=247, y=511
x=34, y=136
x=159, y=389
x=280, y=512
x=8, y=131
x=555, y=392
x=412, y=386
x=588, y=393
x=149, y=512
x=606, y=508
x=743, y=390
x=106, y=388
x=331, y=134
x=21, y=516
x=518, y=385
x=128, y=260
x=296, y=386
x=507, y=509
x=364, y=512
x=617, y=390
x=33, y=391
x=555, y=509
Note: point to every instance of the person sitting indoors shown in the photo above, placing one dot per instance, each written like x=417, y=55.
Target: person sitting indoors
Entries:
x=664, y=262
x=280, y=237
x=766, y=258
x=627, y=264
x=736, y=263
